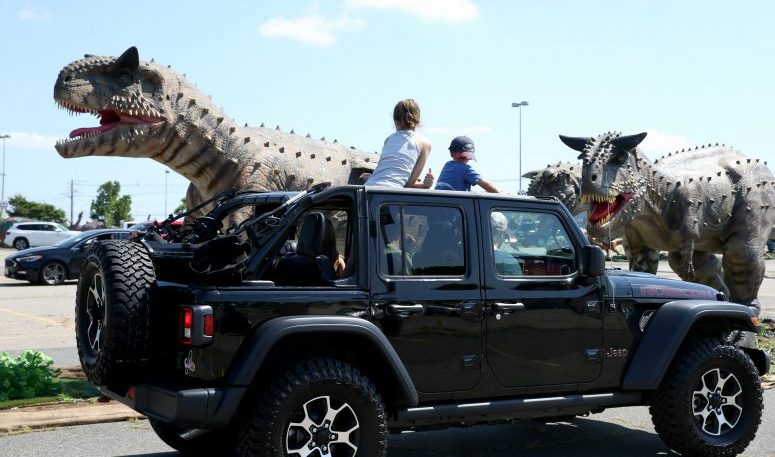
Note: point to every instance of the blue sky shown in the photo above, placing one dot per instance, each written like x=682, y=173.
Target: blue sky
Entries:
x=689, y=72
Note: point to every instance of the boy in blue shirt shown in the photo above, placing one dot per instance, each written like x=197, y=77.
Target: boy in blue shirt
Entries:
x=457, y=174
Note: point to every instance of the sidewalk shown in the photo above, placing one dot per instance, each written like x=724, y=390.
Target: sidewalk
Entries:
x=29, y=418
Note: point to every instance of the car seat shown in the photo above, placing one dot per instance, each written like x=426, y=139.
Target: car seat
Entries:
x=308, y=266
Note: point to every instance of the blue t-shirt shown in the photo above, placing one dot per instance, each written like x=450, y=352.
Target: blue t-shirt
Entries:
x=457, y=176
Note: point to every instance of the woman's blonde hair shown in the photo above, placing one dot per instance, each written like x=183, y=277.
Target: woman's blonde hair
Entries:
x=406, y=114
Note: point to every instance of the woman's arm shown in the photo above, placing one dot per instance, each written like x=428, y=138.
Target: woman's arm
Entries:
x=425, y=150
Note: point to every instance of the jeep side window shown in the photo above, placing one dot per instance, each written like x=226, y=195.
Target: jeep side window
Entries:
x=530, y=243
x=422, y=241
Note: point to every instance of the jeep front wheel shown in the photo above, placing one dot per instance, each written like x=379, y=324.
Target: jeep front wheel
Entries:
x=111, y=310
x=321, y=407
x=710, y=402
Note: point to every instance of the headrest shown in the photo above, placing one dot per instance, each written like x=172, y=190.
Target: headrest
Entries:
x=312, y=236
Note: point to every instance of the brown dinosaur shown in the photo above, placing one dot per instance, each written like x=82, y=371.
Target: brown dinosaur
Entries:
x=148, y=110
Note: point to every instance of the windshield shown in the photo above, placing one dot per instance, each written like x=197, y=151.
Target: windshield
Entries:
x=72, y=240
x=61, y=227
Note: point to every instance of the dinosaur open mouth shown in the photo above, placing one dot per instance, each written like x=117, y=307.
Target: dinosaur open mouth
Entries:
x=109, y=119
x=603, y=207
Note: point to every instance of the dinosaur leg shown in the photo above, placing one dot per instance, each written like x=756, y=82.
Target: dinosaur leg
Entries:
x=743, y=270
x=682, y=263
x=708, y=271
x=642, y=257
x=193, y=198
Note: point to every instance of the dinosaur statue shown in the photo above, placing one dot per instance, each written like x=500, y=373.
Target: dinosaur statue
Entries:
x=693, y=204
x=148, y=110
x=564, y=182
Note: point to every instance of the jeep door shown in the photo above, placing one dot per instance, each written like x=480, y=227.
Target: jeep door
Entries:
x=543, y=320
x=425, y=287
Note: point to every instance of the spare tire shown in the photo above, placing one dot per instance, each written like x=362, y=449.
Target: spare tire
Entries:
x=112, y=310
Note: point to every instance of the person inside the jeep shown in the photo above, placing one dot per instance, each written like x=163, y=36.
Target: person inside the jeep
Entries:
x=392, y=254
x=330, y=247
x=404, y=153
x=505, y=263
x=457, y=174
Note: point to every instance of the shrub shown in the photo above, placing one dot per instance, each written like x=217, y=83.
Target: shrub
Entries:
x=29, y=375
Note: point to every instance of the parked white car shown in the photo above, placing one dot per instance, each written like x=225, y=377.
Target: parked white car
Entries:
x=23, y=235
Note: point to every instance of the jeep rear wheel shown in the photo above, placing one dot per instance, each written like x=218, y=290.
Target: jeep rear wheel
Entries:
x=111, y=310
x=710, y=402
x=321, y=407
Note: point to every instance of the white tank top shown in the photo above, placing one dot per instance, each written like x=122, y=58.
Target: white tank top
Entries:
x=399, y=155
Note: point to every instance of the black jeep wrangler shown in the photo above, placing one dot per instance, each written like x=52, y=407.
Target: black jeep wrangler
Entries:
x=314, y=323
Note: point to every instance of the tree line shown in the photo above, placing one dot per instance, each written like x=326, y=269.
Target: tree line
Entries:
x=108, y=207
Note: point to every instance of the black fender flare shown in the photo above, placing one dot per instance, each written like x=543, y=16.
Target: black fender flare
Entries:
x=261, y=342
x=666, y=331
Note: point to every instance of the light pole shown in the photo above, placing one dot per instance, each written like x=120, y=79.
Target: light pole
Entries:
x=520, y=105
x=166, y=172
x=2, y=189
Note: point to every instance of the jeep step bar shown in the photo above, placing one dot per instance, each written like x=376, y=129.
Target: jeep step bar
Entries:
x=516, y=408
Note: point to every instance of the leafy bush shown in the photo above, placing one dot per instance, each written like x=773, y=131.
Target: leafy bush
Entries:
x=29, y=375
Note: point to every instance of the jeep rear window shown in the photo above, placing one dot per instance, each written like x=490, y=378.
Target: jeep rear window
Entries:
x=420, y=240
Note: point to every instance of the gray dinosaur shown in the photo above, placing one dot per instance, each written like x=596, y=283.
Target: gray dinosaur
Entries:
x=694, y=204
x=564, y=182
x=148, y=110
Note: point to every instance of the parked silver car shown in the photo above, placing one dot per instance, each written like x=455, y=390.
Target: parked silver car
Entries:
x=23, y=235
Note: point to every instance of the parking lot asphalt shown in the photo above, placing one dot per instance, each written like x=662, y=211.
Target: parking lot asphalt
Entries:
x=39, y=317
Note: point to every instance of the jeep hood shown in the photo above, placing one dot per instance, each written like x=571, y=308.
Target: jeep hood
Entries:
x=634, y=284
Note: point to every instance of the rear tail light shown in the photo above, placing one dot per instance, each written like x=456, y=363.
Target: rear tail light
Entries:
x=187, y=325
x=209, y=324
x=196, y=325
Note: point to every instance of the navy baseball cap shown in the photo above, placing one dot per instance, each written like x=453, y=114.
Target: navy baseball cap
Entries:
x=461, y=144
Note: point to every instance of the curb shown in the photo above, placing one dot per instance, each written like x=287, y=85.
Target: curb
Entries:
x=29, y=418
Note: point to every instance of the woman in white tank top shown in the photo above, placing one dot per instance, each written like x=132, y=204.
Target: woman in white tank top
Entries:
x=404, y=153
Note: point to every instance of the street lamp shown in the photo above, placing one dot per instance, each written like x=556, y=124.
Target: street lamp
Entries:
x=166, y=172
x=2, y=189
x=520, y=105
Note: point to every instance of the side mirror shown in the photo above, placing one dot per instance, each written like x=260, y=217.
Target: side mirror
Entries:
x=592, y=261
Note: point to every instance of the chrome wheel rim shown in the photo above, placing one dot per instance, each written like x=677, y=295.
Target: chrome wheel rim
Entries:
x=330, y=428
x=20, y=245
x=716, y=402
x=95, y=309
x=54, y=273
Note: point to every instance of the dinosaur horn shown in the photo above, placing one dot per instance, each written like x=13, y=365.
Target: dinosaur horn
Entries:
x=532, y=174
x=625, y=143
x=574, y=142
x=129, y=60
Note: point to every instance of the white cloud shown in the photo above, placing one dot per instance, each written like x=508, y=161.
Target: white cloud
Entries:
x=22, y=140
x=661, y=143
x=428, y=10
x=312, y=29
x=33, y=14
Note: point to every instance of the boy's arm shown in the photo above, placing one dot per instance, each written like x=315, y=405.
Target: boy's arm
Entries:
x=488, y=186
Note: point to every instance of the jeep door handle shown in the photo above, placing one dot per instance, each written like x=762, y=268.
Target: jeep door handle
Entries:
x=507, y=307
x=405, y=310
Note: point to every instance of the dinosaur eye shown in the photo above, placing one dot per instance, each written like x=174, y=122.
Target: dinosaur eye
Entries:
x=124, y=76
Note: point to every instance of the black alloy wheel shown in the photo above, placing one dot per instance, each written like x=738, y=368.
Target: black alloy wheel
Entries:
x=321, y=408
x=710, y=401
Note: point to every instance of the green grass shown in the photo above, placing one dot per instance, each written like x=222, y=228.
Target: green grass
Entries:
x=68, y=390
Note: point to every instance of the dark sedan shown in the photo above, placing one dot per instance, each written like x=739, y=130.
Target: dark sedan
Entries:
x=53, y=265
